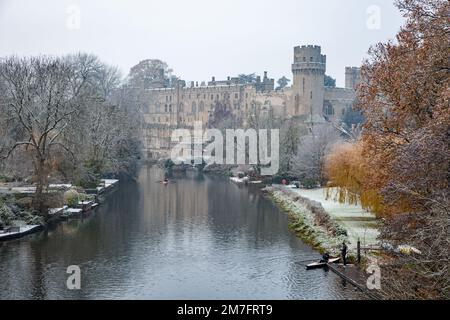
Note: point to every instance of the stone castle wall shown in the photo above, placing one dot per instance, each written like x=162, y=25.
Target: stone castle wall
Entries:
x=181, y=105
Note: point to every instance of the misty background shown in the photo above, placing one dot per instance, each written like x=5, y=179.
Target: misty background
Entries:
x=200, y=38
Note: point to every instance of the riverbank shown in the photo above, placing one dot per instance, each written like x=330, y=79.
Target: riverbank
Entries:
x=18, y=220
x=308, y=220
x=323, y=222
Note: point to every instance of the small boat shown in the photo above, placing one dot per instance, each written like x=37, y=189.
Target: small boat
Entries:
x=320, y=264
x=18, y=232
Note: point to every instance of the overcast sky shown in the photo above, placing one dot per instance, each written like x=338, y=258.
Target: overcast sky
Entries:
x=200, y=38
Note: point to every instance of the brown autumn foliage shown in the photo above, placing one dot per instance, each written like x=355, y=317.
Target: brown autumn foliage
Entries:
x=405, y=150
x=405, y=99
x=347, y=172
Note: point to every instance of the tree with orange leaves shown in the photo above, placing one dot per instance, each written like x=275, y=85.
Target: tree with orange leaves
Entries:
x=400, y=168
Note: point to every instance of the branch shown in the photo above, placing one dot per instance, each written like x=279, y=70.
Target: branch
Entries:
x=14, y=147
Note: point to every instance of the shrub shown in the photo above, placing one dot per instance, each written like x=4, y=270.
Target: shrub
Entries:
x=71, y=197
x=6, y=215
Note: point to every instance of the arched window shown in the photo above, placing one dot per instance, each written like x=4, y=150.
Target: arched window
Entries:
x=194, y=107
x=201, y=107
x=181, y=107
x=328, y=109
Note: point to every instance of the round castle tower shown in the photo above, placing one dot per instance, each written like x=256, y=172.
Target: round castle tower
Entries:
x=308, y=86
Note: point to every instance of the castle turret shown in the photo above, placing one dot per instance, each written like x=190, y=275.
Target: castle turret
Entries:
x=308, y=86
x=352, y=77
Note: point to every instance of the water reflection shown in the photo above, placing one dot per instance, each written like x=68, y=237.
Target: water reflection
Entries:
x=199, y=237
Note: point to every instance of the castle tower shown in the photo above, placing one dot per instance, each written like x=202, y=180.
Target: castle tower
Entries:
x=308, y=86
x=352, y=77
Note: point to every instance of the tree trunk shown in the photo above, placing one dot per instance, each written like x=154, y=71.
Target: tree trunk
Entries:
x=39, y=203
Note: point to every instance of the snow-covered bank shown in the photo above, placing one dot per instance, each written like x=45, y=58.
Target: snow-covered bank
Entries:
x=309, y=220
x=357, y=222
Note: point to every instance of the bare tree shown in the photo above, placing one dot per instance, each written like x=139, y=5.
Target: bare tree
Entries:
x=308, y=164
x=41, y=96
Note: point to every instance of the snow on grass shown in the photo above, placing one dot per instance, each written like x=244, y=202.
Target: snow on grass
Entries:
x=358, y=222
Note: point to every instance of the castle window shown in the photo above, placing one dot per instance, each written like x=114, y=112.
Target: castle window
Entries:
x=165, y=108
x=310, y=94
x=328, y=109
x=170, y=108
x=212, y=97
x=170, y=98
x=217, y=97
x=236, y=95
x=311, y=59
x=246, y=95
x=194, y=107
x=304, y=59
x=167, y=98
x=201, y=107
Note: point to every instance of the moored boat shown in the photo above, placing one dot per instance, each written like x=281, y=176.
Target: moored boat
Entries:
x=18, y=232
x=321, y=264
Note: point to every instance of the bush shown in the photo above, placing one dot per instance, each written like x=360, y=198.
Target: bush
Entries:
x=6, y=215
x=309, y=183
x=72, y=197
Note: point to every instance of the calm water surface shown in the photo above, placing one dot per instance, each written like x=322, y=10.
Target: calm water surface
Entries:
x=201, y=237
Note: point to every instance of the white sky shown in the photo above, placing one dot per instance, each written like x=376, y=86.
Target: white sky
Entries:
x=199, y=38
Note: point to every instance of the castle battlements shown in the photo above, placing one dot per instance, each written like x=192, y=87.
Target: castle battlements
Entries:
x=181, y=105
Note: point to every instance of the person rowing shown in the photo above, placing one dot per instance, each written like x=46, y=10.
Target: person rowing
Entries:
x=325, y=257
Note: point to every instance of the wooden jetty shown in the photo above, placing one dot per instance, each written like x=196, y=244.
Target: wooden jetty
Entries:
x=355, y=277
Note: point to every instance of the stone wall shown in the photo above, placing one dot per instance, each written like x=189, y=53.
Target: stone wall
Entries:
x=181, y=106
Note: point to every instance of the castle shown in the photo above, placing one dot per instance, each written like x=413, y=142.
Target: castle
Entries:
x=179, y=106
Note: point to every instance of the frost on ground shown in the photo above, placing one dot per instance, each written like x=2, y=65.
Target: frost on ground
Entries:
x=309, y=220
x=358, y=222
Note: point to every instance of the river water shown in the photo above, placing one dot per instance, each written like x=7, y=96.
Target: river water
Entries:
x=200, y=237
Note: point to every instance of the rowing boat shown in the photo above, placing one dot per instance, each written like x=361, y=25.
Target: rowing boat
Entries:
x=320, y=264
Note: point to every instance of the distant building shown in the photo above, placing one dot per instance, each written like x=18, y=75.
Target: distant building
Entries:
x=182, y=104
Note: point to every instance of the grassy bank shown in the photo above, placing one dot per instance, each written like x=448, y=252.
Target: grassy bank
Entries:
x=309, y=221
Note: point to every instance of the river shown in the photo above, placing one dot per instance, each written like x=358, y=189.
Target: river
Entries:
x=200, y=237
